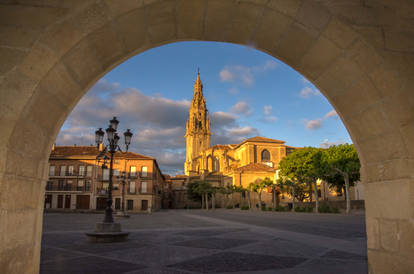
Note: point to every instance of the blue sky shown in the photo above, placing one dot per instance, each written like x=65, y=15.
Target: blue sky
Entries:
x=248, y=93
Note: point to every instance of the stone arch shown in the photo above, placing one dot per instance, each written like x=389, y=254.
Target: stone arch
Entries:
x=359, y=54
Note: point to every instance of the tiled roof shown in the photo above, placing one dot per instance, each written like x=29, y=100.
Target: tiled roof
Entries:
x=255, y=167
x=263, y=140
x=220, y=146
x=73, y=151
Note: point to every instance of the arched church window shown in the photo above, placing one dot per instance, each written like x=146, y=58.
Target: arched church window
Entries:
x=216, y=164
x=265, y=155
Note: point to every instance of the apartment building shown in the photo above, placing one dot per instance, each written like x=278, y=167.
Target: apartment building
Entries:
x=77, y=180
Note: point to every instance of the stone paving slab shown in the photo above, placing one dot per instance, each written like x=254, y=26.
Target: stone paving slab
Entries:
x=87, y=265
x=221, y=246
x=215, y=243
x=234, y=261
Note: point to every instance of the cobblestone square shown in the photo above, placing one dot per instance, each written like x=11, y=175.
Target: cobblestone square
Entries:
x=194, y=241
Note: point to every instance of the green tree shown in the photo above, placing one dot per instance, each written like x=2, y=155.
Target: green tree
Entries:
x=303, y=166
x=252, y=187
x=341, y=160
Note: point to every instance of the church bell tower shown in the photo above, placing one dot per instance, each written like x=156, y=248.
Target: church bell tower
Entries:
x=197, y=128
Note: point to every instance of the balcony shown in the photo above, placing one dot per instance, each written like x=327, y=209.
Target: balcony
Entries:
x=67, y=187
x=70, y=175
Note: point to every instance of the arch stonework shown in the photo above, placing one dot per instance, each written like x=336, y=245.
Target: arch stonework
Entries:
x=360, y=54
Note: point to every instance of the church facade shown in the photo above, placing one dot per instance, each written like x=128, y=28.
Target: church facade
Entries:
x=241, y=164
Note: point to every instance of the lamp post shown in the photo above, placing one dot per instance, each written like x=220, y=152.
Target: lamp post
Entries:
x=112, y=147
x=108, y=231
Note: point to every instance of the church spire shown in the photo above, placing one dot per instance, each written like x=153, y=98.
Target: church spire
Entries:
x=198, y=85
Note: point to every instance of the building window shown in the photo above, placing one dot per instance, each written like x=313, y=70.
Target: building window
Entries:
x=49, y=185
x=132, y=187
x=81, y=170
x=133, y=171
x=216, y=164
x=68, y=185
x=130, y=204
x=60, y=184
x=52, y=171
x=89, y=171
x=62, y=170
x=105, y=175
x=144, y=171
x=143, y=187
x=116, y=172
x=70, y=170
x=265, y=155
x=88, y=185
x=80, y=185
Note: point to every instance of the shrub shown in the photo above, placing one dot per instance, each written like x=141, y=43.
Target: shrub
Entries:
x=229, y=207
x=269, y=209
x=244, y=207
x=325, y=208
x=308, y=209
x=281, y=208
x=299, y=209
x=263, y=208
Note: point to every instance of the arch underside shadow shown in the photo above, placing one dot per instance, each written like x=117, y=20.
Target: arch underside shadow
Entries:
x=359, y=56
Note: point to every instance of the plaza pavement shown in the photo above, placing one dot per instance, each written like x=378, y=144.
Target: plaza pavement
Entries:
x=194, y=241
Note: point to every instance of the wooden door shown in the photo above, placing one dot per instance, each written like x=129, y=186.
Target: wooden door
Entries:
x=100, y=203
x=82, y=201
x=130, y=204
x=48, y=201
x=144, y=205
x=67, y=201
x=60, y=201
x=117, y=203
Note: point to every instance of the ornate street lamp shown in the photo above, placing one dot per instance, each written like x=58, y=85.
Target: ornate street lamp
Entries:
x=112, y=147
x=108, y=231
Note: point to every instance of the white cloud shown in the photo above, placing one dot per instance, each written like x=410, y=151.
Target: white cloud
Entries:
x=270, y=119
x=313, y=124
x=331, y=113
x=267, y=110
x=234, y=91
x=307, y=92
x=242, y=131
x=244, y=74
x=241, y=107
x=326, y=143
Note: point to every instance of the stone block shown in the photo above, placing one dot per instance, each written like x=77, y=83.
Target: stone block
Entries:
x=357, y=98
x=161, y=21
x=272, y=26
x=398, y=39
x=190, y=19
x=313, y=14
x=318, y=58
x=407, y=132
x=340, y=76
x=369, y=122
x=296, y=42
x=389, y=170
x=10, y=57
x=132, y=27
x=59, y=82
x=19, y=37
x=288, y=7
x=398, y=107
x=243, y=23
x=389, y=200
x=83, y=64
x=217, y=19
x=22, y=164
x=382, y=147
x=118, y=8
x=106, y=45
x=372, y=226
x=372, y=34
x=406, y=234
x=38, y=62
x=365, y=56
x=389, y=235
x=30, y=15
x=339, y=33
x=380, y=262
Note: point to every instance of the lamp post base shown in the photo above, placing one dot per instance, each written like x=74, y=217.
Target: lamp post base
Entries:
x=122, y=214
x=107, y=233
